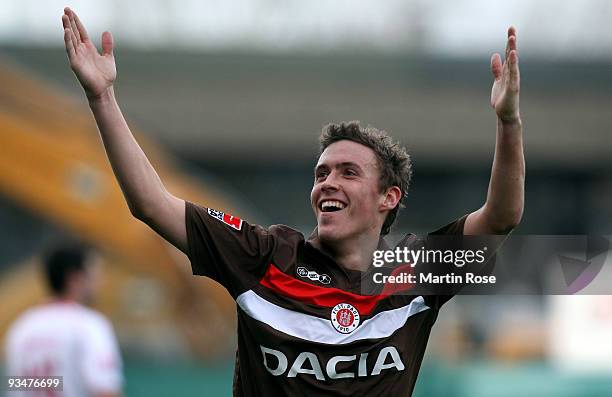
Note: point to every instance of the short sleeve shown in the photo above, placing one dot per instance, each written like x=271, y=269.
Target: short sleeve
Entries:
x=227, y=249
x=101, y=365
x=454, y=228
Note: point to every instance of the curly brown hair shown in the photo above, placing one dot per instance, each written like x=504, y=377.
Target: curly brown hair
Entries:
x=393, y=159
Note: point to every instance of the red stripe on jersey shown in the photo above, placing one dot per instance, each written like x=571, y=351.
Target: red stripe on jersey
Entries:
x=286, y=285
x=396, y=288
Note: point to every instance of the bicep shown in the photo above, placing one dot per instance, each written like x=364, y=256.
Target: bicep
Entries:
x=476, y=223
x=482, y=222
x=168, y=220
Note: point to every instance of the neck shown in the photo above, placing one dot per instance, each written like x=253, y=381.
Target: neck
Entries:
x=353, y=254
x=69, y=296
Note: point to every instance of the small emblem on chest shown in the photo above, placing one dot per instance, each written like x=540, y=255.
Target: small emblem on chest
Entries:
x=312, y=275
x=345, y=318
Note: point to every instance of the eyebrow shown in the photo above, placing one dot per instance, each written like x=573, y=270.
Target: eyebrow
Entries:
x=345, y=164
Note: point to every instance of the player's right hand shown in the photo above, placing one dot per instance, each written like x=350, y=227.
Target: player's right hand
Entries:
x=96, y=72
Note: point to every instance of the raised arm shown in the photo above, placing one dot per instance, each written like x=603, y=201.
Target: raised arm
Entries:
x=503, y=208
x=142, y=188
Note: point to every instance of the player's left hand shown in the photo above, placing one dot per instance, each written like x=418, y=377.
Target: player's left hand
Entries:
x=505, y=91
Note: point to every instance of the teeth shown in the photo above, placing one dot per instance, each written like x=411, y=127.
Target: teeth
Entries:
x=331, y=203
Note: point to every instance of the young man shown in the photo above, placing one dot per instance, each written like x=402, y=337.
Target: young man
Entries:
x=303, y=326
x=64, y=337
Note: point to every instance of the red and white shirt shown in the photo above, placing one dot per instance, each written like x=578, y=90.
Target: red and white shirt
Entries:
x=69, y=340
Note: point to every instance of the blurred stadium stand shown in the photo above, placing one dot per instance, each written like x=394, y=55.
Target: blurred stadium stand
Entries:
x=54, y=179
x=244, y=127
x=243, y=118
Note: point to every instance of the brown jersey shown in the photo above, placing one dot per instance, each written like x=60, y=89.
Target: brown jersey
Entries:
x=304, y=326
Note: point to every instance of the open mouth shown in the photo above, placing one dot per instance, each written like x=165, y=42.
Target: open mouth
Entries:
x=331, y=206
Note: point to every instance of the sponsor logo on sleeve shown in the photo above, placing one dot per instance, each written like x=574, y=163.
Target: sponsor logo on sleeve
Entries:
x=230, y=220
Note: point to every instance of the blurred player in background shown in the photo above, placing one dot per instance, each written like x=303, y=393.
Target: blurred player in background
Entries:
x=64, y=337
x=304, y=327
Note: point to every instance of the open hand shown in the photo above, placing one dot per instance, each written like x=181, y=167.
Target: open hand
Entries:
x=96, y=72
x=505, y=91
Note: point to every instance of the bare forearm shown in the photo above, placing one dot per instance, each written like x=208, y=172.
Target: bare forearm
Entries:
x=505, y=197
x=143, y=190
x=139, y=182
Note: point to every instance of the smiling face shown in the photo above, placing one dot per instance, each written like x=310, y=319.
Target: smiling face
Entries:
x=346, y=197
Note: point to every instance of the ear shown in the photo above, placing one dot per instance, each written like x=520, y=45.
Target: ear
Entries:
x=392, y=197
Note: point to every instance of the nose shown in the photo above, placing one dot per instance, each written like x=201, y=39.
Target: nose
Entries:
x=330, y=184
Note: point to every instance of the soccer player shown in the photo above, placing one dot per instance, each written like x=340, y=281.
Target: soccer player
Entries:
x=64, y=337
x=303, y=326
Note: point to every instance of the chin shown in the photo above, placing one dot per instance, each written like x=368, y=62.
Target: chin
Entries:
x=329, y=234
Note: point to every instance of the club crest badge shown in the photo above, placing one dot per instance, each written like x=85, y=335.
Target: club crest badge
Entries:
x=345, y=318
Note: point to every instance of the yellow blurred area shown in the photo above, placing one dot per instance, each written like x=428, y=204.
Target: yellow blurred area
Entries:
x=52, y=163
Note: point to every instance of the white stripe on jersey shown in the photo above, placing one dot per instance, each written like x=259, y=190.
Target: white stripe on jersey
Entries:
x=321, y=330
